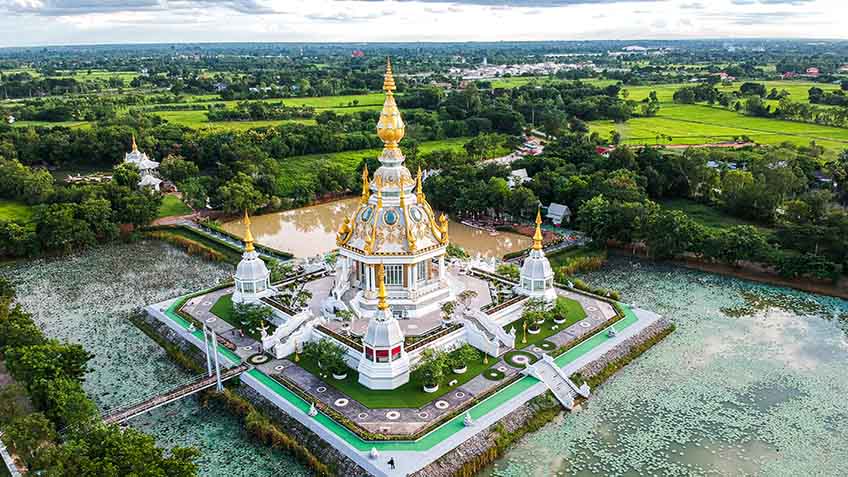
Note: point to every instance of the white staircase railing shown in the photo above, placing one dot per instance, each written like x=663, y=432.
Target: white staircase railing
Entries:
x=508, y=339
x=563, y=388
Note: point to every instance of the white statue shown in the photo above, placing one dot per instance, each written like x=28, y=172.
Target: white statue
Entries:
x=374, y=454
x=468, y=421
x=313, y=411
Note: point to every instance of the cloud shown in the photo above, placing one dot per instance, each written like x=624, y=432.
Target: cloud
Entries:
x=345, y=17
x=771, y=2
x=85, y=7
x=526, y=3
x=692, y=6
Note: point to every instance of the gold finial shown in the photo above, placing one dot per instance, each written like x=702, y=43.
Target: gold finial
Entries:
x=248, y=236
x=134, y=146
x=381, y=288
x=537, y=237
x=388, y=79
x=379, y=180
x=420, y=193
x=365, y=185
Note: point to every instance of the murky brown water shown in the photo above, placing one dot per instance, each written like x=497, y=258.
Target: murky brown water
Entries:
x=311, y=230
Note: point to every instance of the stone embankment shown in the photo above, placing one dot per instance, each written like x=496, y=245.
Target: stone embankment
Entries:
x=490, y=444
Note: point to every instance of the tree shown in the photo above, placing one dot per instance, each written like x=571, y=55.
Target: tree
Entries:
x=463, y=356
x=47, y=361
x=430, y=369
x=126, y=174
x=595, y=220
x=239, y=194
x=753, y=89
x=195, y=192
x=741, y=242
x=63, y=401
x=669, y=233
x=29, y=436
x=13, y=403
x=328, y=355
x=251, y=316
x=176, y=169
x=522, y=202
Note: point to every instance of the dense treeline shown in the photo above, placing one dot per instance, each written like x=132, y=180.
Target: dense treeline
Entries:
x=69, y=218
x=48, y=421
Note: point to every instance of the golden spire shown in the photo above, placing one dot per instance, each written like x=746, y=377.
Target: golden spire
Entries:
x=420, y=193
x=379, y=180
x=390, y=126
x=388, y=79
x=248, y=236
x=537, y=237
x=134, y=146
x=365, y=185
x=381, y=288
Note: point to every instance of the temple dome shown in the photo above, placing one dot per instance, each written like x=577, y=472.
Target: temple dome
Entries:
x=251, y=268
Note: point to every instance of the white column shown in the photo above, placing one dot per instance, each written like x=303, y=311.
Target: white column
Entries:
x=441, y=267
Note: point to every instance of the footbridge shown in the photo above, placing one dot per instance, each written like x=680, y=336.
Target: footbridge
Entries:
x=563, y=388
x=140, y=407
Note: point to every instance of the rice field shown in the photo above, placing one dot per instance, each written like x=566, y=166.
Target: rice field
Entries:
x=797, y=89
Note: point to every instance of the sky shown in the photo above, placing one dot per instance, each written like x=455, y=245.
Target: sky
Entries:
x=58, y=22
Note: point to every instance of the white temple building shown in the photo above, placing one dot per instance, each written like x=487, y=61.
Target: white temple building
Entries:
x=537, y=276
x=145, y=166
x=252, y=278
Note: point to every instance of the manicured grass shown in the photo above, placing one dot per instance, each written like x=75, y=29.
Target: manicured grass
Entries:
x=15, y=211
x=574, y=312
x=410, y=395
x=303, y=169
x=171, y=206
x=223, y=308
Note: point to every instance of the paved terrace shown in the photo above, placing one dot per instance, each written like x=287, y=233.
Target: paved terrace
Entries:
x=412, y=455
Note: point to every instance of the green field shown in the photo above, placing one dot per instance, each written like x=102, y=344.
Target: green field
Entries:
x=197, y=120
x=127, y=76
x=697, y=124
x=708, y=216
x=305, y=168
x=52, y=124
x=171, y=206
x=665, y=92
x=15, y=211
x=516, y=81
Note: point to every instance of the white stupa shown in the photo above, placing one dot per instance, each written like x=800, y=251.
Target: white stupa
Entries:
x=252, y=278
x=384, y=364
x=140, y=159
x=537, y=276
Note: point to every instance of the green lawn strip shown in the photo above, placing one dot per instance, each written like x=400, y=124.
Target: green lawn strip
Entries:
x=223, y=309
x=171, y=206
x=574, y=313
x=410, y=395
x=171, y=312
x=15, y=211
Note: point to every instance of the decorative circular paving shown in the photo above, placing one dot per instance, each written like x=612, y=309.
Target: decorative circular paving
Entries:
x=585, y=324
x=493, y=374
x=258, y=358
x=459, y=394
x=362, y=415
x=502, y=369
x=442, y=404
x=591, y=308
x=248, y=348
x=519, y=359
x=320, y=389
x=393, y=415
x=424, y=415
x=279, y=368
x=341, y=402
x=211, y=320
x=546, y=345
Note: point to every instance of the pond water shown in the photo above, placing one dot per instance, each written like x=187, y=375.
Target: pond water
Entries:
x=752, y=382
x=311, y=230
x=89, y=299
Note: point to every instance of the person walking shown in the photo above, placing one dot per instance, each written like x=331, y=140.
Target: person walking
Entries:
x=392, y=463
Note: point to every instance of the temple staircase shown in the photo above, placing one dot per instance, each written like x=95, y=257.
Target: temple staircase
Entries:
x=564, y=389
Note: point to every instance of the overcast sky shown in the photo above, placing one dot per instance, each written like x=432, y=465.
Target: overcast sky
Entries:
x=54, y=22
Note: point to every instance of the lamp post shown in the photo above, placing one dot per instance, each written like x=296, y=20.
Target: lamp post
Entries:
x=524, y=340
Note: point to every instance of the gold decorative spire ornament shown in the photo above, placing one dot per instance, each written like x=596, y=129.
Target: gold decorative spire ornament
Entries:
x=379, y=192
x=134, y=146
x=420, y=187
x=248, y=236
x=366, y=186
x=390, y=126
x=381, y=288
x=537, y=237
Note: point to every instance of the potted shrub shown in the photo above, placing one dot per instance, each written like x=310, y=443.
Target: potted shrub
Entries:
x=447, y=312
x=329, y=356
x=431, y=369
x=460, y=358
x=560, y=312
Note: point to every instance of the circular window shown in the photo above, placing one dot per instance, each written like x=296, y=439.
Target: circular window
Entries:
x=390, y=217
x=416, y=214
x=365, y=215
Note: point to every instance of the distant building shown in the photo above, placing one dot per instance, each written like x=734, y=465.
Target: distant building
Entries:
x=558, y=213
x=10, y=119
x=518, y=177
x=813, y=72
x=357, y=54
x=843, y=69
x=604, y=150
x=788, y=75
x=220, y=87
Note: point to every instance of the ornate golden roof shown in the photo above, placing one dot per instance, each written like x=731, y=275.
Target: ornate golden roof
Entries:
x=392, y=218
x=134, y=146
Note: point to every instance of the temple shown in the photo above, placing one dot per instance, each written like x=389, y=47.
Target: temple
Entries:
x=146, y=167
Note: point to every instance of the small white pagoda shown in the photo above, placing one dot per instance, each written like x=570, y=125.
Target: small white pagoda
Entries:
x=147, y=167
x=537, y=276
x=252, y=278
x=384, y=363
x=395, y=228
